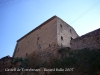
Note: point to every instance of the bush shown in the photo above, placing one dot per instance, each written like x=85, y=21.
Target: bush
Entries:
x=84, y=61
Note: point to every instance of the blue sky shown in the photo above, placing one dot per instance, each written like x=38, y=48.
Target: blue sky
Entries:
x=18, y=17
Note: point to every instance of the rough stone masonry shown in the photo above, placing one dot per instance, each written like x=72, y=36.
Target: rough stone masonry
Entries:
x=52, y=35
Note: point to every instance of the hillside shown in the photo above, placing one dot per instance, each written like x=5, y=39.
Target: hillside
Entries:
x=71, y=62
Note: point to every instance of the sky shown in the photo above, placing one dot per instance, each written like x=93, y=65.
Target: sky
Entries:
x=18, y=17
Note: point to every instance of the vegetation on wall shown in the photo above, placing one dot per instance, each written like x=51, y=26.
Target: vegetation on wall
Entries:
x=84, y=62
x=34, y=60
x=23, y=62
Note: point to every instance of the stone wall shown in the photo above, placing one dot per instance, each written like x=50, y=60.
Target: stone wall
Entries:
x=44, y=55
x=65, y=33
x=6, y=65
x=90, y=40
x=54, y=30
x=39, y=39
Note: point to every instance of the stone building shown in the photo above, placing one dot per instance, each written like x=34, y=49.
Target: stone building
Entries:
x=52, y=35
x=53, y=32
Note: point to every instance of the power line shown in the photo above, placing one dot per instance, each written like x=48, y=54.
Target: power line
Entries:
x=84, y=13
x=6, y=3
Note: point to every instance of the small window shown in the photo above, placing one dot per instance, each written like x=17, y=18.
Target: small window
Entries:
x=61, y=38
x=70, y=31
x=26, y=54
x=38, y=38
x=71, y=38
x=60, y=25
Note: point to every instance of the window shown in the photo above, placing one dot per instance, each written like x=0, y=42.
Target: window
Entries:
x=71, y=38
x=60, y=25
x=70, y=31
x=61, y=38
x=38, y=38
x=26, y=54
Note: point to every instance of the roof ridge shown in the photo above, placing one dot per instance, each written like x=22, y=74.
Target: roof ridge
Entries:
x=38, y=26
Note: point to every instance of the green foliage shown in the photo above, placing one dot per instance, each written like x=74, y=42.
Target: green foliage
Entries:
x=34, y=61
x=84, y=61
x=15, y=60
x=24, y=61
